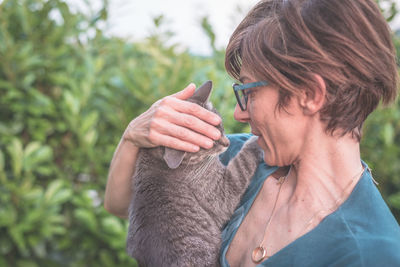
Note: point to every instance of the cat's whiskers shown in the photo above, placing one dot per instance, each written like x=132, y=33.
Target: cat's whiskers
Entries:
x=188, y=163
x=202, y=168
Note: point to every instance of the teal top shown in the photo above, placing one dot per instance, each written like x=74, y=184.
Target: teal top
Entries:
x=361, y=232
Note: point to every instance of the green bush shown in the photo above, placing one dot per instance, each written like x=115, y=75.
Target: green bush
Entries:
x=54, y=109
x=67, y=92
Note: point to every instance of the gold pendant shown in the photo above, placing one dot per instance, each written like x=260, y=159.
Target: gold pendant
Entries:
x=255, y=256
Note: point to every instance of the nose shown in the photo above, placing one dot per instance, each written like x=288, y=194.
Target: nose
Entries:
x=240, y=115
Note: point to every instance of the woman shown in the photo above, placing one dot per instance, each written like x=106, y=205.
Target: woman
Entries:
x=313, y=70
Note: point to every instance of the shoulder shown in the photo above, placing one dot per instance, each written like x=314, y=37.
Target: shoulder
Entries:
x=236, y=143
x=362, y=232
x=337, y=242
x=371, y=226
x=381, y=251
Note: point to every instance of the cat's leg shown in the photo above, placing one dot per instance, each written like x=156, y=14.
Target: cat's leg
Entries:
x=244, y=165
x=239, y=172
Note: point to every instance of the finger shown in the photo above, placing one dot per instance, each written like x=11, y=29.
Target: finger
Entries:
x=185, y=93
x=176, y=131
x=195, y=124
x=171, y=111
x=193, y=109
x=175, y=143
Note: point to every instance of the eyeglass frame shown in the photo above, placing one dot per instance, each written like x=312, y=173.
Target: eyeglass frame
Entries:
x=241, y=87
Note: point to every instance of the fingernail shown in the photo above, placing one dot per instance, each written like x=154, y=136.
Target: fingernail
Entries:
x=209, y=143
x=216, y=135
x=216, y=120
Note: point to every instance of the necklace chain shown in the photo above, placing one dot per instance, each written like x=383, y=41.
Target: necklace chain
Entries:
x=260, y=253
x=261, y=249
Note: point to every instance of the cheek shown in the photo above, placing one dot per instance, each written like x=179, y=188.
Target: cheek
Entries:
x=254, y=111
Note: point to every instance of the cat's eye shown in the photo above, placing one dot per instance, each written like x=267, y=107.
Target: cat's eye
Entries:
x=241, y=92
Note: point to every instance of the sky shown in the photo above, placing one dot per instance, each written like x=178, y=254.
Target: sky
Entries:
x=132, y=19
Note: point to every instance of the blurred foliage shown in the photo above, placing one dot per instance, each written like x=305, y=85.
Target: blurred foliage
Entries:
x=67, y=92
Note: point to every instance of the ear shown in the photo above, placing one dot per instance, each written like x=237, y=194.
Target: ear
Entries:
x=173, y=157
x=202, y=94
x=313, y=101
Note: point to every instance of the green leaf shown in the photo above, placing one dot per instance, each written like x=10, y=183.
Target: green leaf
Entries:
x=106, y=258
x=388, y=134
x=17, y=155
x=28, y=80
x=53, y=189
x=8, y=215
x=89, y=121
x=33, y=217
x=35, y=154
x=87, y=218
x=44, y=170
x=33, y=194
x=61, y=196
x=90, y=137
x=112, y=225
x=17, y=236
x=11, y=128
x=31, y=148
x=2, y=162
x=72, y=103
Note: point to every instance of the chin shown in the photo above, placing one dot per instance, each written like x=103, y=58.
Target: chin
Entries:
x=273, y=161
x=268, y=161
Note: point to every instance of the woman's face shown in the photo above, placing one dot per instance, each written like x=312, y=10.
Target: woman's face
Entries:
x=281, y=133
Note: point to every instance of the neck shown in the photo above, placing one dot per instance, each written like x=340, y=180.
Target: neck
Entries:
x=325, y=172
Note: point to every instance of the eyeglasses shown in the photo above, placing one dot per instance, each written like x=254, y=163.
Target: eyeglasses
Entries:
x=242, y=94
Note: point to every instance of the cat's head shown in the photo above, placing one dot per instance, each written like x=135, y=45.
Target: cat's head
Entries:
x=174, y=158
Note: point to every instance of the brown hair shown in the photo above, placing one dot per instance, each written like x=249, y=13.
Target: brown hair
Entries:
x=347, y=42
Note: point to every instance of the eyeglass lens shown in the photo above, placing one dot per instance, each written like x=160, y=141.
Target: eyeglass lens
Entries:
x=242, y=99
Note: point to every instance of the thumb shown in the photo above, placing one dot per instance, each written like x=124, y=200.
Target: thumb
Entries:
x=186, y=93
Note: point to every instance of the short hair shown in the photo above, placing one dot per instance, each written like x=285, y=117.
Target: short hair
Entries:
x=346, y=42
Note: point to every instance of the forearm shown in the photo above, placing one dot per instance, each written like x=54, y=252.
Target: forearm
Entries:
x=119, y=184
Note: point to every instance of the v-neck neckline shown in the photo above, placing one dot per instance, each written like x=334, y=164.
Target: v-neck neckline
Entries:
x=257, y=185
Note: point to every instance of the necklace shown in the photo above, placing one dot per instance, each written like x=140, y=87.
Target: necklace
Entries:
x=260, y=253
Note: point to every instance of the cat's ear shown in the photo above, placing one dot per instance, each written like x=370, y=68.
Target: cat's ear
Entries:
x=202, y=94
x=173, y=157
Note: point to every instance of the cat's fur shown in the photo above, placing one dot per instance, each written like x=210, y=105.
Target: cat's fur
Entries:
x=182, y=200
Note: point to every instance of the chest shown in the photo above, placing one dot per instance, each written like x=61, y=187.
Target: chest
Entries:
x=252, y=231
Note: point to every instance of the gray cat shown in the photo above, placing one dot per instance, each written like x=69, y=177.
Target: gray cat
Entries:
x=182, y=200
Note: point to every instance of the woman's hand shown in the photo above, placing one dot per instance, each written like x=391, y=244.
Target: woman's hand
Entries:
x=175, y=123
x=171, y=122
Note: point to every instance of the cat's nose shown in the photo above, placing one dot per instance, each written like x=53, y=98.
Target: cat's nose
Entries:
x=224, y=141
